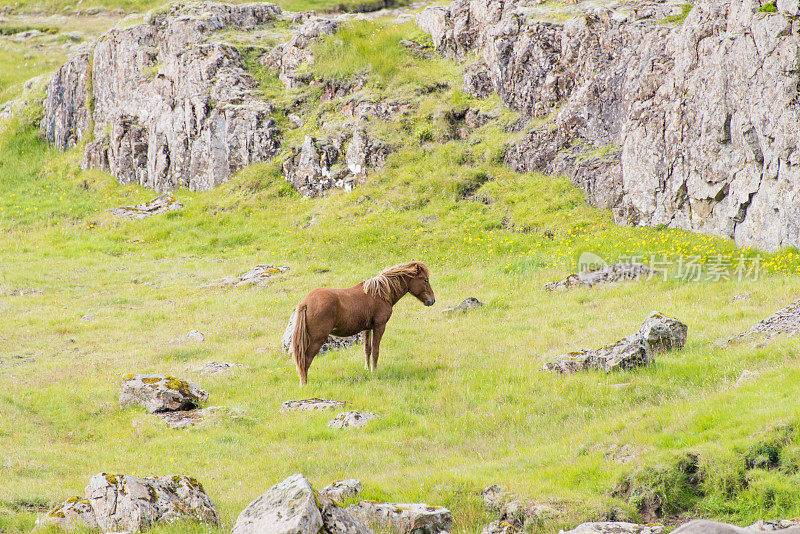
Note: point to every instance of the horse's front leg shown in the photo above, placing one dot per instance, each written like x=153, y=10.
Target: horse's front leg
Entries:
x=377, y=333
x=367, y=335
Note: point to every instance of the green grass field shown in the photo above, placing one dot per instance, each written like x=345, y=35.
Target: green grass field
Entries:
x=86, y=298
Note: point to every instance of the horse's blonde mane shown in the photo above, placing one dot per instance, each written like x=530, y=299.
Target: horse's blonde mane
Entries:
x=388, y=283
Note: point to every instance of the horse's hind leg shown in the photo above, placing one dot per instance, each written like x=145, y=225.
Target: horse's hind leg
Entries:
x=377, y=333
x=313, y=349
x=367, y=335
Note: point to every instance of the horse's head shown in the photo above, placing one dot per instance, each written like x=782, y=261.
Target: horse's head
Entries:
x=419, y=284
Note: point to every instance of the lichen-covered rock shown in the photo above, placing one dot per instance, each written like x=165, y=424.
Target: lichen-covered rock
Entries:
x=160, y=393
x=287, y=58
x=785, y=321
x=351, y=420
x=501, y=527
x=258, y=275
x=169, y=107
x=201, y=416
x=722, y=162
x=615, y=272
x=333, y=342
x=72, y=513
x=663, y=333
x=337, y=520
x=416, y=518
x=160, y=204
x=310, y=404
x=615, y=527
x=125, y=502
x=658, y=333
x=288, y=507
x=341, y=490
x=469, y=303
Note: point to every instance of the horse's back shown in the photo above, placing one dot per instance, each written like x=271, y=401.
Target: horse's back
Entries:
x=346, y=311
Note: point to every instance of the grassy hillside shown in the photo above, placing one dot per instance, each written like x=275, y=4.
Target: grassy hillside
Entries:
x=86, y=298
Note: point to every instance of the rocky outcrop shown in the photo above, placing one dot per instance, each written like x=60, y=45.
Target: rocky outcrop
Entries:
x=403, y=518
x=129, y=503
x=697, y=122
x=785, y=321
x=616, y=272
x=162, y=105
x=658, y=333
x=287, y=58
x=160, y=393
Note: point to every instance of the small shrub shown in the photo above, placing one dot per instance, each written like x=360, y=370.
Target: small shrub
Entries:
x=769, y=7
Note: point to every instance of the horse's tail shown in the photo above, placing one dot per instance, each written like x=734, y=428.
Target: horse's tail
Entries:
x=300, y=344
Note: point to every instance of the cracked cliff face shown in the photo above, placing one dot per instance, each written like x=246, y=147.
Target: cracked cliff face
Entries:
x=698, y=123
x=164, y=107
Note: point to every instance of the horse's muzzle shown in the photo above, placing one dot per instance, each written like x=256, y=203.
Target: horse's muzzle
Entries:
x=430, y=302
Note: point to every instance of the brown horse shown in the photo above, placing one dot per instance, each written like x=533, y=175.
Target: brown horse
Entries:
x=365, y=307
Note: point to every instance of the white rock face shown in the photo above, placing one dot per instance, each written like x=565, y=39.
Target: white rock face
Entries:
x=416, y=518
x=160, y=393
x=289, y=507
x=700, y=117
x=170, y=108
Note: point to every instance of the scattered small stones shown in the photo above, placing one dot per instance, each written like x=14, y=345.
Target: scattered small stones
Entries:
x=213, y=368
x=469, y=303
x=615, y=527
x=310, y=404
x=160, y=393
x=287, y=507
x=195, y=335
x=341, y=490
x=785, y=321
x=417, y=518
x=160, y=204
x=188, y=418
x=125, y=502
x=258, y=275
x=614, y=272
x=657, y=334
x=351, y=419
x=333, y=343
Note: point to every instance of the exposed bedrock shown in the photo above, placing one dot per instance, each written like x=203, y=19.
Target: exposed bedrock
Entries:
x=163, y=105
x=693, y=126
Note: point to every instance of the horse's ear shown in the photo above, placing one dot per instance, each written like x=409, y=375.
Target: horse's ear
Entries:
x=417, y=267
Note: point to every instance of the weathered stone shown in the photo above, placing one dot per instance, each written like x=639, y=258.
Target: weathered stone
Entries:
x=258, y=275
x=658, y=333
x=341, y=490
x=615, y=527
x=469, y=303
x=289, y=56
x=213, y=368
x=501, y=527
x=702, y=526
x=195, y=335
x=310, y=404
x=333, y=343
x=288, y=507
x=72, y=513
x=494, y=497
x=337, y=520
x=314, y=169
x=125, y=502
x=160, y=204
x=170, y=108
x=663, y=333
x=766, y=526
x=403, y=518
x=615, y=272
x=188, y=418
x=785, y=321
x=160, y=393
x=477, y=80
x=351, y=420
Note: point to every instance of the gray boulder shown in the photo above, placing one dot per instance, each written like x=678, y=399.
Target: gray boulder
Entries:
x=341, y=490
x=351, y=420
x=72, y=513
x=418, y=518
x=469, y=303
x=160, y=393
x=288, y=507
x=333, y=342
x=785, y=321
x=616, y=272
x=124, y=502
x=337, y=520
x=657, y=334
x=615, y=527
x=258, y=275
